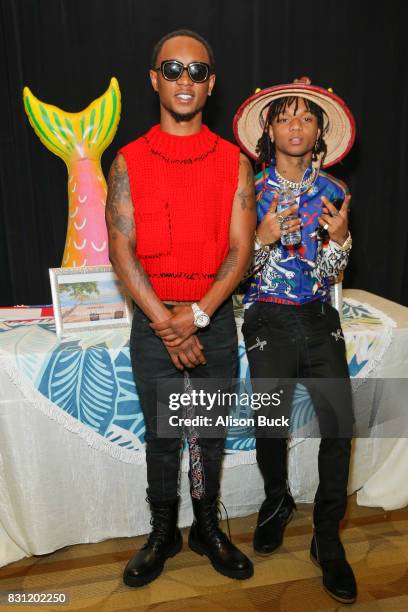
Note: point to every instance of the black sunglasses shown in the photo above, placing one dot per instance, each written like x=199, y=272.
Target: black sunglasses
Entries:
x=172, y=70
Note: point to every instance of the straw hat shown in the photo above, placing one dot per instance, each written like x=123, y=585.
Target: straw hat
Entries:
x=340, y=129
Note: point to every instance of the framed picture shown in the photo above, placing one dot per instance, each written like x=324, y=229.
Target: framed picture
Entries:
x=88, y=297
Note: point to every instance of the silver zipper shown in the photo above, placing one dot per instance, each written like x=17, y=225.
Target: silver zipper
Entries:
x=337, y=335
x=315, y=539
x=259, y=343
x=275, y=512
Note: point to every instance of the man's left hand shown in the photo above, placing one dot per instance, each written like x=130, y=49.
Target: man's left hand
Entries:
x=335, y=221
x=178, y=328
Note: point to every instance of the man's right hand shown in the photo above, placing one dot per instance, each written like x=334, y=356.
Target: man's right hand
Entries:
x=188, y=354
x=270, y=230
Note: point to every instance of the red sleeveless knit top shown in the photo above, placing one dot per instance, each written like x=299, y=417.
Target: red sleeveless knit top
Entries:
x=182, y=189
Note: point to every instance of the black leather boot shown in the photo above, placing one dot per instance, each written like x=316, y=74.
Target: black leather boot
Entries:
x=206, y=538
x=338, y=577
x=164, y=541
x=277, y=509
x=272, y=520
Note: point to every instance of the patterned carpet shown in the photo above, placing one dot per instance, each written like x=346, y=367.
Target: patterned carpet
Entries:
x=376, y=543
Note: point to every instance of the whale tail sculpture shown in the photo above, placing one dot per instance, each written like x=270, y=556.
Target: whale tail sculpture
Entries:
x=80, y=139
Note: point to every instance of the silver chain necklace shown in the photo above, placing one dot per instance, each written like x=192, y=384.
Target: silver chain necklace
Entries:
x=292, y=184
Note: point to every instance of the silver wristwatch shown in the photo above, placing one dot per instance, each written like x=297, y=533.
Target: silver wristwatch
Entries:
x=201, y=318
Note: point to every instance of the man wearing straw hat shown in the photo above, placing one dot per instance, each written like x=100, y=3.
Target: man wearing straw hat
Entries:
x=290, y=328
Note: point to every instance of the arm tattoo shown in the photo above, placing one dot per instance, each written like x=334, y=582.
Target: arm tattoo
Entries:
x=136, y=274
x=118, y=194
x=131, y=271
x=127, y=267
x=244, y=196
x=124, y=224
x=228, y=265
x=247, y=192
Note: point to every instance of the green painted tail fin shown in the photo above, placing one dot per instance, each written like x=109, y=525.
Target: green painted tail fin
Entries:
x=74, y=136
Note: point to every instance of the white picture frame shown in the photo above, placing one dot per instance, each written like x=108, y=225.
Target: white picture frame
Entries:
x=87, y=298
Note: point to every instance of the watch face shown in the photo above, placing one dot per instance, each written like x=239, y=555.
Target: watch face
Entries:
x=202, y=320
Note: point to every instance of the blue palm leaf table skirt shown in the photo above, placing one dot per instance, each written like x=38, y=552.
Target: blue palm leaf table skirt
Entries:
x=71, y=429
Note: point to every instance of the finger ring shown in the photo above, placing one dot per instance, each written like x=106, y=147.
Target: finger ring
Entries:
x=281, y=219
x=336, y=214
x=326, y=226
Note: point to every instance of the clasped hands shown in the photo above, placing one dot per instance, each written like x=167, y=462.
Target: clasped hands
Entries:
x=273, y=225
x=178, y=331
x=178, y=335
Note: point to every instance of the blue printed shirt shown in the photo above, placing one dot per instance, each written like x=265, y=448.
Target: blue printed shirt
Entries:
x=300, y=273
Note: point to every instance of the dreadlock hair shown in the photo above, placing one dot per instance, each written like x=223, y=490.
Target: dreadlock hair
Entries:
x=266, y=148
x=158, y=46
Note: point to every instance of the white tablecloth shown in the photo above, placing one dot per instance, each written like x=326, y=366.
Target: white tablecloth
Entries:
x=56, y=490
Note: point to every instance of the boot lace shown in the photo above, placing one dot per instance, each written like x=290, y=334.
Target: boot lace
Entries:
x=160, y=522
x=212, y=515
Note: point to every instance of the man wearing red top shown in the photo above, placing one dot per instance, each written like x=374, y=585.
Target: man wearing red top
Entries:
x=181, y=219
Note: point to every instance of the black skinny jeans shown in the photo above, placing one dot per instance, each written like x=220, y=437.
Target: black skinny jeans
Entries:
x=151, y=364
x=307, y=342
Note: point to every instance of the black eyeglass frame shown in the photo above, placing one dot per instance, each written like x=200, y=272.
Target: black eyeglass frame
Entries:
x=185, y=67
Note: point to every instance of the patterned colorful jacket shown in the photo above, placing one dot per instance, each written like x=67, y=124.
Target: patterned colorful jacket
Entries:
x=301, y=273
